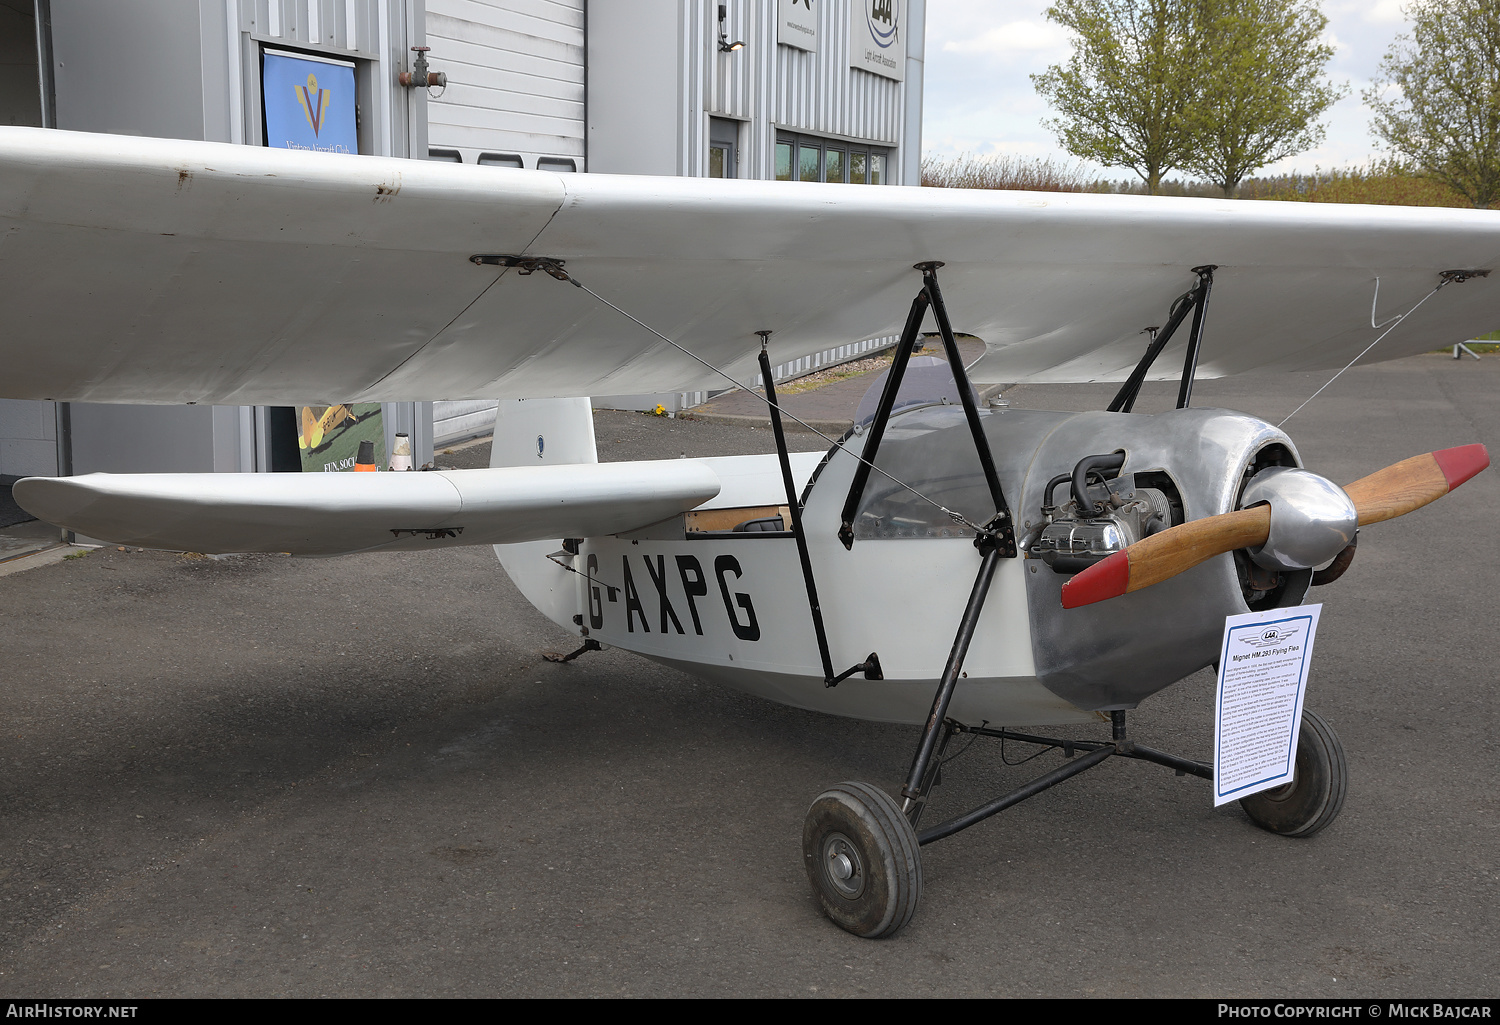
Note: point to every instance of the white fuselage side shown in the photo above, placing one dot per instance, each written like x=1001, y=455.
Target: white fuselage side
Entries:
x=734, y=609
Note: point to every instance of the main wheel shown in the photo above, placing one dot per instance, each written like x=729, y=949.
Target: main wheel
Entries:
x=1315, y=795
x=862, y=859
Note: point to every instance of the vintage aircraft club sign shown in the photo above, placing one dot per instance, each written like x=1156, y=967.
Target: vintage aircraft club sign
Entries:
x=309, y=103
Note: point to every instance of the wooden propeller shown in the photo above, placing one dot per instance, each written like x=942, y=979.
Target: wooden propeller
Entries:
x=1383, y=495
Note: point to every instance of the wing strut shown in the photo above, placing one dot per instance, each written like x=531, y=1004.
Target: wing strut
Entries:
x=1194, y=300
x=871, y=665
x=1000, y=526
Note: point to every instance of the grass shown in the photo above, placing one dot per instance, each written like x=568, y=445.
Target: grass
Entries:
x=819, y=378
x=929, y=345
x=1003, y=171
x=1493, y=339
x=1381, y=182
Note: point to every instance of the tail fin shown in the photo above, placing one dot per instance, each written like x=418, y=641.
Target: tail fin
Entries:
x=543, y=432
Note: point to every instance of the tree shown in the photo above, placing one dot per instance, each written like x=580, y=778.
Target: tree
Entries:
x=1262, y=88
x=1123, y=97
x=1445, y=115
x=1216, y=87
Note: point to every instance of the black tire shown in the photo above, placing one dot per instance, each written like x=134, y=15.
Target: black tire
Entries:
x=874, y=890
x=1315, y=796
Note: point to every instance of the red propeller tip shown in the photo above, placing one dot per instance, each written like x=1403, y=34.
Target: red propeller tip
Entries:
x=1459, y=464
x=1107, y=579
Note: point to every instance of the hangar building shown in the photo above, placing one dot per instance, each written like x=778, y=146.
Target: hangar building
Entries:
x=820, y=90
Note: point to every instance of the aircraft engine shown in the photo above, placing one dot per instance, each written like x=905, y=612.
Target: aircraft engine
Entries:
x=1104, y=515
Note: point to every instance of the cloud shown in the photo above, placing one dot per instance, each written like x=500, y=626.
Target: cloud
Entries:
x=1385, y=12
x=1013, y=39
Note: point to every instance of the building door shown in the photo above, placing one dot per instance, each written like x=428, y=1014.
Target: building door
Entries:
x=723, y=148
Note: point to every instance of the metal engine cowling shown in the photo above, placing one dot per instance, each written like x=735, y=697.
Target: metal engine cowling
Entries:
x=1114, y=654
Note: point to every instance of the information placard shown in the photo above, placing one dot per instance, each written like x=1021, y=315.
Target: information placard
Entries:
x=1263, y=664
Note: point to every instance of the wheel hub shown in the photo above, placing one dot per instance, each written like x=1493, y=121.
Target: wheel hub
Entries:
x=842, y=866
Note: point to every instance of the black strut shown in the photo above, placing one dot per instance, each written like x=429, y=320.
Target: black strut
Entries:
x=1195, y=340
x=882, y=414
x=1193, y=300
x=1000, y=526
x=1093, y=752
x=1000, y=523
x=917, y=779
x=871, y=665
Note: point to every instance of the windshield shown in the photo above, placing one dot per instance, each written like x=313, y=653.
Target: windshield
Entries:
x=927, y=380
x=931, y=449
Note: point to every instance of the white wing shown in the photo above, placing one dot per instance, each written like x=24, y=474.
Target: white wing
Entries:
x=335, y=513
x=149, y=270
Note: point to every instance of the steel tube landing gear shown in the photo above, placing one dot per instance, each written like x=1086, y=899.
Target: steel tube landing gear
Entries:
x=862, y=849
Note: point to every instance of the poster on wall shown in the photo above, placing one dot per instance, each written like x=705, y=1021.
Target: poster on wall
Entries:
x=308, y=103
x=877, y=37
x=797, y=24
x=330, y=437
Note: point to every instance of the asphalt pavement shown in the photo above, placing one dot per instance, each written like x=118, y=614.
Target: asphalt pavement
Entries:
x=265, y=776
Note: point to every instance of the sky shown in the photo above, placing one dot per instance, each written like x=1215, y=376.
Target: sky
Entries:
x=979, y=99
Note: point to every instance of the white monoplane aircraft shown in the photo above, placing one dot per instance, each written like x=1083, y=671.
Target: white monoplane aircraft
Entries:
x=136, y=270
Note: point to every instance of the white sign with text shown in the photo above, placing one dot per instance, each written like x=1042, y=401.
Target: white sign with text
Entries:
x=797, y=23
x=877, y=37
x=1263, y=666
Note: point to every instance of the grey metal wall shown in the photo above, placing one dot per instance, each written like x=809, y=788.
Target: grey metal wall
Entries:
x=772, y=87
x=635, y=86
x=819, y=93
x=377, y=34
x=515, y=78
x=351, y=26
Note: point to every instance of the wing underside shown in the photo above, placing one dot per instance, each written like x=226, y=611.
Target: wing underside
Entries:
x=151, y=270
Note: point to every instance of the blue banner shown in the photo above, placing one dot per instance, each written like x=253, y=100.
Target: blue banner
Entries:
x=309, y=104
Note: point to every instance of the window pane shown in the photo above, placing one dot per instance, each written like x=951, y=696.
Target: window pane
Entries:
x=716, y=161
x=877, y=168
x=807, y=164
x=783, y=161
x=834, y=166
x=857, y=168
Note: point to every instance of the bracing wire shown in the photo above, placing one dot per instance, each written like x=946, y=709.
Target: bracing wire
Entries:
x=954, y=516
x=1394, y=323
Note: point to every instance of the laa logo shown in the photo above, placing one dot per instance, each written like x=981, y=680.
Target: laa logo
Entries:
x=1271, y=635
x=881, y=17
x=314, y=102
